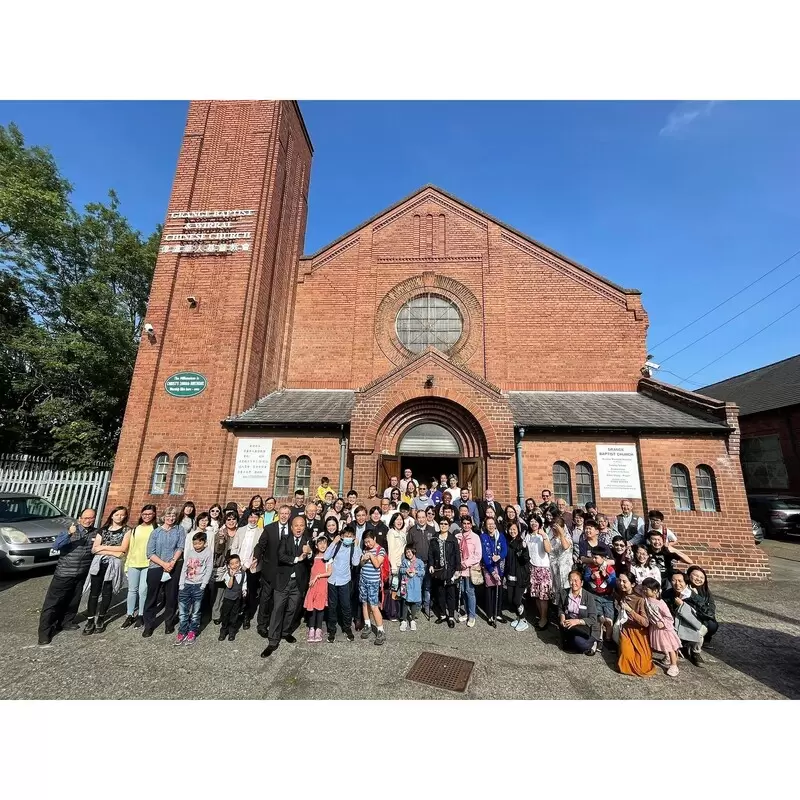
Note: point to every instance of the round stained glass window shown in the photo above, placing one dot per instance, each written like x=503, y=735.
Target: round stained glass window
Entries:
x=429, y=320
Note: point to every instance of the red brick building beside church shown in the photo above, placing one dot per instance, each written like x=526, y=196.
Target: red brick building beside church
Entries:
x=431, y=336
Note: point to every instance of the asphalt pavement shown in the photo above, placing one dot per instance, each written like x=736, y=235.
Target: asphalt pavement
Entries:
x=756, y=655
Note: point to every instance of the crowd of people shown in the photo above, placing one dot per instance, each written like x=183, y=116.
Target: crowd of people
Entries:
x=355, y=565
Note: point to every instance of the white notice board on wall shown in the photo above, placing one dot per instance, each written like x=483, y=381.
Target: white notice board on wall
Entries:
x=618, y=471
x=253, y=459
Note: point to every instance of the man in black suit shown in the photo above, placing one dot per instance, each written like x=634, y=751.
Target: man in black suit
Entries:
x=314, y=526
x=490, y=502
x=420, y=536
x=294, y=568
x=266, y=551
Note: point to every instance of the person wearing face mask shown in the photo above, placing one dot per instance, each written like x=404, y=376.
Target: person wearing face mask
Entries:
x=342, y=555
x=243, y=545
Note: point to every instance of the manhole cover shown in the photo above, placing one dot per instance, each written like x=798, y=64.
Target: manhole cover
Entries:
x=443, y=672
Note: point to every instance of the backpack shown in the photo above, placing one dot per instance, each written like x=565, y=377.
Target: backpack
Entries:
x=386, y=569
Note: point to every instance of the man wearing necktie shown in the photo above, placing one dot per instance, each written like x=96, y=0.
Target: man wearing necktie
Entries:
x=294, y=567
x=266, y=551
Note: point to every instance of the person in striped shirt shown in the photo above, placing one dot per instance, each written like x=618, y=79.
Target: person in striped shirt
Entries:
x=369, y=586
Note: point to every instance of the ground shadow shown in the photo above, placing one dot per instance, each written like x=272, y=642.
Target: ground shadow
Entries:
x=770, y=657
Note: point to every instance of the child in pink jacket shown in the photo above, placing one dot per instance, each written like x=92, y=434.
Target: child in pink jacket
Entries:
x=469, y=543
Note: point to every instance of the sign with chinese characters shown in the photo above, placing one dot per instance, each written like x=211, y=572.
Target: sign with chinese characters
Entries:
x=185, y=384
x=253, y=459
x=618, y=471
x=199, y=232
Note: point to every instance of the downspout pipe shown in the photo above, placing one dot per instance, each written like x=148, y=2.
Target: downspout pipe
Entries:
x=520, y=477
x=342, y=461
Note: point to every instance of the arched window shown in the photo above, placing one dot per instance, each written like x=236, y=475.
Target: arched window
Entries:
x=561, y=487
x=160, y=469
x=180, y=470
x=302, y=474
x=681, y=487
x=706, y=488
x=584, y=483
x=282, y=466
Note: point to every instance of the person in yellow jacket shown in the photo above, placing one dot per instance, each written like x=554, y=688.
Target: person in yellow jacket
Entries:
x=324, y=488
x=136, y=565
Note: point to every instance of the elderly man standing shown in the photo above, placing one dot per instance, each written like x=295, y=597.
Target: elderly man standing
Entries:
x=64, y=595
x=628, y=525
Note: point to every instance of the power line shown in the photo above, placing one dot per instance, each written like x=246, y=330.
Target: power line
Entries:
x=711, y=311
x=736, y=347
x=675, y=375
x=730, y=319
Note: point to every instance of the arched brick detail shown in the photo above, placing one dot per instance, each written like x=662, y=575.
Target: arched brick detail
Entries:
x=463, y=426
x=365, y=434
x=428, y=282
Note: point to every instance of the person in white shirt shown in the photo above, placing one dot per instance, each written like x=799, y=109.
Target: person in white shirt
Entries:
x=656, y=523
x=405, y=479
x=387, y=492
x=243, y=544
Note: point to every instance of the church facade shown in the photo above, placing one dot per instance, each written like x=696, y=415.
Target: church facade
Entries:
x=432, y=337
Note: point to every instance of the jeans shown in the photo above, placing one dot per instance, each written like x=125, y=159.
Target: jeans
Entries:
x=339, y=608
x=468, y=591
x=137, y=589
x=190, y=599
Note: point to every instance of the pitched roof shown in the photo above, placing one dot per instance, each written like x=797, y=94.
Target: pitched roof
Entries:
x=603, y=410
x=544, y=410
x=306, y=406
x=429, y=187
x=764, y=389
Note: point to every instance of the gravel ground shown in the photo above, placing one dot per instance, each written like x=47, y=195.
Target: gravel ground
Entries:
x=756, y=655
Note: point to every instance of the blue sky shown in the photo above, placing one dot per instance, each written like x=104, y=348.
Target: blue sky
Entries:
x=688, y=202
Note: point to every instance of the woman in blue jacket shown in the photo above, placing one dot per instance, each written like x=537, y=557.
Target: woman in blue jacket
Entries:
x=494, y=550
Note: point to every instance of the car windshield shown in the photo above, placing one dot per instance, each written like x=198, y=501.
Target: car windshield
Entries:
x=787, y=504
x=24, y=509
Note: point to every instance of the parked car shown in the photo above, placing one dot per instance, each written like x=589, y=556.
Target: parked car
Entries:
x=29, y=525
x=779, y=515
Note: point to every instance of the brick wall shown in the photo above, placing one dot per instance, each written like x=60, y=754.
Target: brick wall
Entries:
x=234, y=155
x=785, y=424
x=721, y=542
x=525, y=300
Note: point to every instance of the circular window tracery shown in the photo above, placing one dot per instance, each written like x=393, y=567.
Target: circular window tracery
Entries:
x=429, y=320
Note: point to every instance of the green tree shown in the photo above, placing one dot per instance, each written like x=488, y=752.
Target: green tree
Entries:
x=82, y=279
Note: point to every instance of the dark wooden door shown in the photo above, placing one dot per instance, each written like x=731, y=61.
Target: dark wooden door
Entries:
x=471, y=477
x=389, y=467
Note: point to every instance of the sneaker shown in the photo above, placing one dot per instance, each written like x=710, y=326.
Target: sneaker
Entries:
x=138, y=624
x=403, y=626
x=312, y=635
x=413, y=624
x=179, y=640
x=318, y=636
x=367, y=632
x=380, y=637
x=439, y=620
x=522, y=626
x=501, y=618
x=350, y=636
x=129, y=620
x=89, y=629
x=451, y=623
x=471, y=622
x=515, y=623
x=190, y=638
x=673, y=670
x=591, y=651
x=696, y=658
x=462, y=618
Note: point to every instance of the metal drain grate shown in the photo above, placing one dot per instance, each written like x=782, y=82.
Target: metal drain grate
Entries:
x=443, y=672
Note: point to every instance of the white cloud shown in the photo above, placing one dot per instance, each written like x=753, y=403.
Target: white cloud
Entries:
x=684, y=115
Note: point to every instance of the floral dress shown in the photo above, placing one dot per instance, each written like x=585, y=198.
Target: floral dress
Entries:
x=560, y=561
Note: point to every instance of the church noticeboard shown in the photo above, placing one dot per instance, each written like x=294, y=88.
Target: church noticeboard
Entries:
x=618, y=471
x=185, y=384
x=253, y=459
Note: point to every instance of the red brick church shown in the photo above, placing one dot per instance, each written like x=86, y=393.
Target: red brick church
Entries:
x=432, y=336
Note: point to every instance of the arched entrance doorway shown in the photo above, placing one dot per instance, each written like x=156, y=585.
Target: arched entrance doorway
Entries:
x=432, y=437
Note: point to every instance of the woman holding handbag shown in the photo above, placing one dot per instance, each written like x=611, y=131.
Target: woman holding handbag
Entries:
x=469, y=544
x=444, y=564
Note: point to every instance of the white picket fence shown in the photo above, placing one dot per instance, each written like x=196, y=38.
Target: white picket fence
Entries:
x=70, y=490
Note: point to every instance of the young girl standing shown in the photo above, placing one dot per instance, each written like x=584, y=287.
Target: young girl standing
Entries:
x=412, y=571
x=541, y=586
x=661, y=630
x=317, y=595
